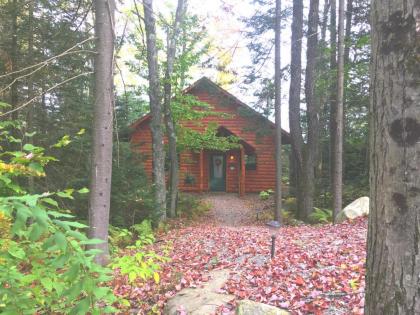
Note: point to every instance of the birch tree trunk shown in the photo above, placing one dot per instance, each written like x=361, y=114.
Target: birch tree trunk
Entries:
x=169, y=120
x=393, y=259
x=155, y=110
x=337, y=179
x=100, y=186
x=277, y=107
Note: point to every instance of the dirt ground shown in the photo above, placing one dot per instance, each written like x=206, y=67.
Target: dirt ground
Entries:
x=228, y=209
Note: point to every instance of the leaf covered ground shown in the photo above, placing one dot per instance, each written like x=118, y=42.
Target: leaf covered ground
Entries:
x=316, y=269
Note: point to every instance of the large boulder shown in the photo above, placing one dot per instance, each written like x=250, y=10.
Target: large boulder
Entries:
x=358, y=208
x=248, y=307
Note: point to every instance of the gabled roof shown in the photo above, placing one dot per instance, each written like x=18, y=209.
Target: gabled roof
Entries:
x=233, y=98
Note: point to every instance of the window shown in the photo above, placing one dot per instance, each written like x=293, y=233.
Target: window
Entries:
x=250, y=162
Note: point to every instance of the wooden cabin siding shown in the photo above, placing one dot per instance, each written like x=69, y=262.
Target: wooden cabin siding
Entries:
x=244, y=126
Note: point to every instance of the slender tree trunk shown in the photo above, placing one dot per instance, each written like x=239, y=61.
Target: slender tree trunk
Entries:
x=393, y=259
x=277, y=107
x=100, y=186
x=324, y=20
x=14, y=51
x=169, y=120
x=294, y=99
x=155, y=110
x=337, y=180
x=333, y=88
x=312, y=109
x=347, y=39
x=30, y=115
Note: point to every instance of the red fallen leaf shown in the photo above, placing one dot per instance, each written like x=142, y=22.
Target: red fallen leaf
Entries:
x=299, y=281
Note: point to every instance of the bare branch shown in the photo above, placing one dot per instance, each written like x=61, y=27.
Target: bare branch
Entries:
x=44, y=92
x=49, y=60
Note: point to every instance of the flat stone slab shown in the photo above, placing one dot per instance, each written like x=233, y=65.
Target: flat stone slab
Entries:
x=201, y=301
x=248, y=307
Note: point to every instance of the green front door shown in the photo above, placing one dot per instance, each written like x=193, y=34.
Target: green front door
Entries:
x=217, y=172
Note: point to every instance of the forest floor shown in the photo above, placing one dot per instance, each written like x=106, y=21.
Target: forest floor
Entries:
x=317, y=269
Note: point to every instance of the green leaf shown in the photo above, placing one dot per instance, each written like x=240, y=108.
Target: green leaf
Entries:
x=73, y=272
x=36, y=232
x=132, y=276
x=83, y=191
x=60, y=260
x=77, y=235
x=29, y=147
x=56, y=214
x=64, y=194
x=63, y=142
x=36, y=167
x=82, y=308
x=88, y=285
x=50, y=201
x=17, y=252
x=61, y=241
x=81, y=131
x=47, y=284
x=93, y=241
x=101, y=292
x=75, y=224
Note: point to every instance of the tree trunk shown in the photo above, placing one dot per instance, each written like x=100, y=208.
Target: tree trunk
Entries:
x=100, y=187
x=393, y=259
x=169, y=120
x=156, y=111
x=277, y=107
x=14, y=52
x=324, y=20
x=337, y=180
x=294, y=98
x=347, y=39
x=333, y=89
x=312, y=110
x=30, y=115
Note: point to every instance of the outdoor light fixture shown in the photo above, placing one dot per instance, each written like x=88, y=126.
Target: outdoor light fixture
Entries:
x=273, y=227
x=232, y=157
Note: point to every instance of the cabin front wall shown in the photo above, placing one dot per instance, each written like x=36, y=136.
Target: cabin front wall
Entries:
x=195, y=178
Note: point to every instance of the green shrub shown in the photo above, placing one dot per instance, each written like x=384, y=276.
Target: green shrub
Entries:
x=45, y=267
x=140, y=263
x=191, y=206
x=321, y=216
x=265, y=194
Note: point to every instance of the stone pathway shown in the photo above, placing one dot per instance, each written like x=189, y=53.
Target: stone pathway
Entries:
x=228, y=209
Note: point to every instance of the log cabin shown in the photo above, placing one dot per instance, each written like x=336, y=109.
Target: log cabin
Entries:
x=246, y=169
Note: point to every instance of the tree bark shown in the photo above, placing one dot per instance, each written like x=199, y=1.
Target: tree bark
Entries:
x=347, y=39
x=324, y=20
x=277, y=107
x=30, y=115
x=393, y=259
x=333, y=90
x=310, y=153
x=169, y=120
x=156, y=111
x=100, y=186
x=337, y=180
x=14, y=52
x=294, y=98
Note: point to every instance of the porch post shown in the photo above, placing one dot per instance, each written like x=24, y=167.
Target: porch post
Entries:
x=201, y=170
x=242, y=172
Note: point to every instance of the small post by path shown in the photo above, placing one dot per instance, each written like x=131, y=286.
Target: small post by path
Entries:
x=273, y=227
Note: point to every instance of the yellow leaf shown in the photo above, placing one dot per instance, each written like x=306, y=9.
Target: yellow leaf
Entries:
x=156, y=277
